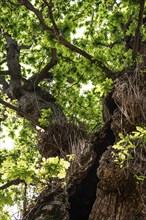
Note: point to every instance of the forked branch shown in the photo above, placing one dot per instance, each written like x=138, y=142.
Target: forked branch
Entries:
x=38, y=13
x=56, y=34
x=45, y=71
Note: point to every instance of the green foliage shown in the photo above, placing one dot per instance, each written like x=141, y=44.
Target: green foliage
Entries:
x=93, y=26
x=104, y=87
x=24, y=162
x=44, y=119
x=126, y=144
x=53, y=167
x=102, y=23
x=33, y=171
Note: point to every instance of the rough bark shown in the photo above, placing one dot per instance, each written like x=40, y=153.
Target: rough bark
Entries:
x=114, y=198
x=51, y=204
x=30, y=97
x=119, y=195
x=66, y=136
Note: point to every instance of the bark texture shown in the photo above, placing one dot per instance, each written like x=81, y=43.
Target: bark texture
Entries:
x=51, y=204
x=97, y=188
x=119, y=194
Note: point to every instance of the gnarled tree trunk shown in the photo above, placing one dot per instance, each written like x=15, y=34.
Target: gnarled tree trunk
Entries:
x=96, y=188
x=119, y=195
x=113, y=193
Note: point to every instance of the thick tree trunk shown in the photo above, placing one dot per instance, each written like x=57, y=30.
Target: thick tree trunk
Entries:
x=80, y=193
x=120, y=196
x=51, y=204
x=110, y=206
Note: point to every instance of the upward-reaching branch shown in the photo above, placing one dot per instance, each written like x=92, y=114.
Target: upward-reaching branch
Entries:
x=37, y=13
x=50, y=6
x=44, y=72
x=13, y=52
x=138, y=29
x=56, y=34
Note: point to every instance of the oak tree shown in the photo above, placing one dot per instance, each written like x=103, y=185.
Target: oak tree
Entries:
x=73, y=102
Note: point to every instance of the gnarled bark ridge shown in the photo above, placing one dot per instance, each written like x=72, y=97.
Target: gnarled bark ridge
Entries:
x=119, y=194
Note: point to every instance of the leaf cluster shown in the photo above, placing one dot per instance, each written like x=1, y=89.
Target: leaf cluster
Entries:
x=127, y=144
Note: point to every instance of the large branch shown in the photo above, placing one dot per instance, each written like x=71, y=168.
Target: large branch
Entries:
x=138, y=29
x=56, y=34
x=44, y=72
x=9, y=105
x=20, y=112
x=86, y=55
x=37, y=13
x=12, y=182
x=13, y=52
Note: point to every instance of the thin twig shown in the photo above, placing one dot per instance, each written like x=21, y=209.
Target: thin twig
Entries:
x=50, y=6
x=25, y=46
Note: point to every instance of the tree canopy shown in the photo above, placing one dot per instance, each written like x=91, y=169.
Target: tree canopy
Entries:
x=59, y=60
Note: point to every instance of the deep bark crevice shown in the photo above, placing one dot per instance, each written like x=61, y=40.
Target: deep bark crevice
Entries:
x=119, y=194
x=96, y=189
x=82, y=201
